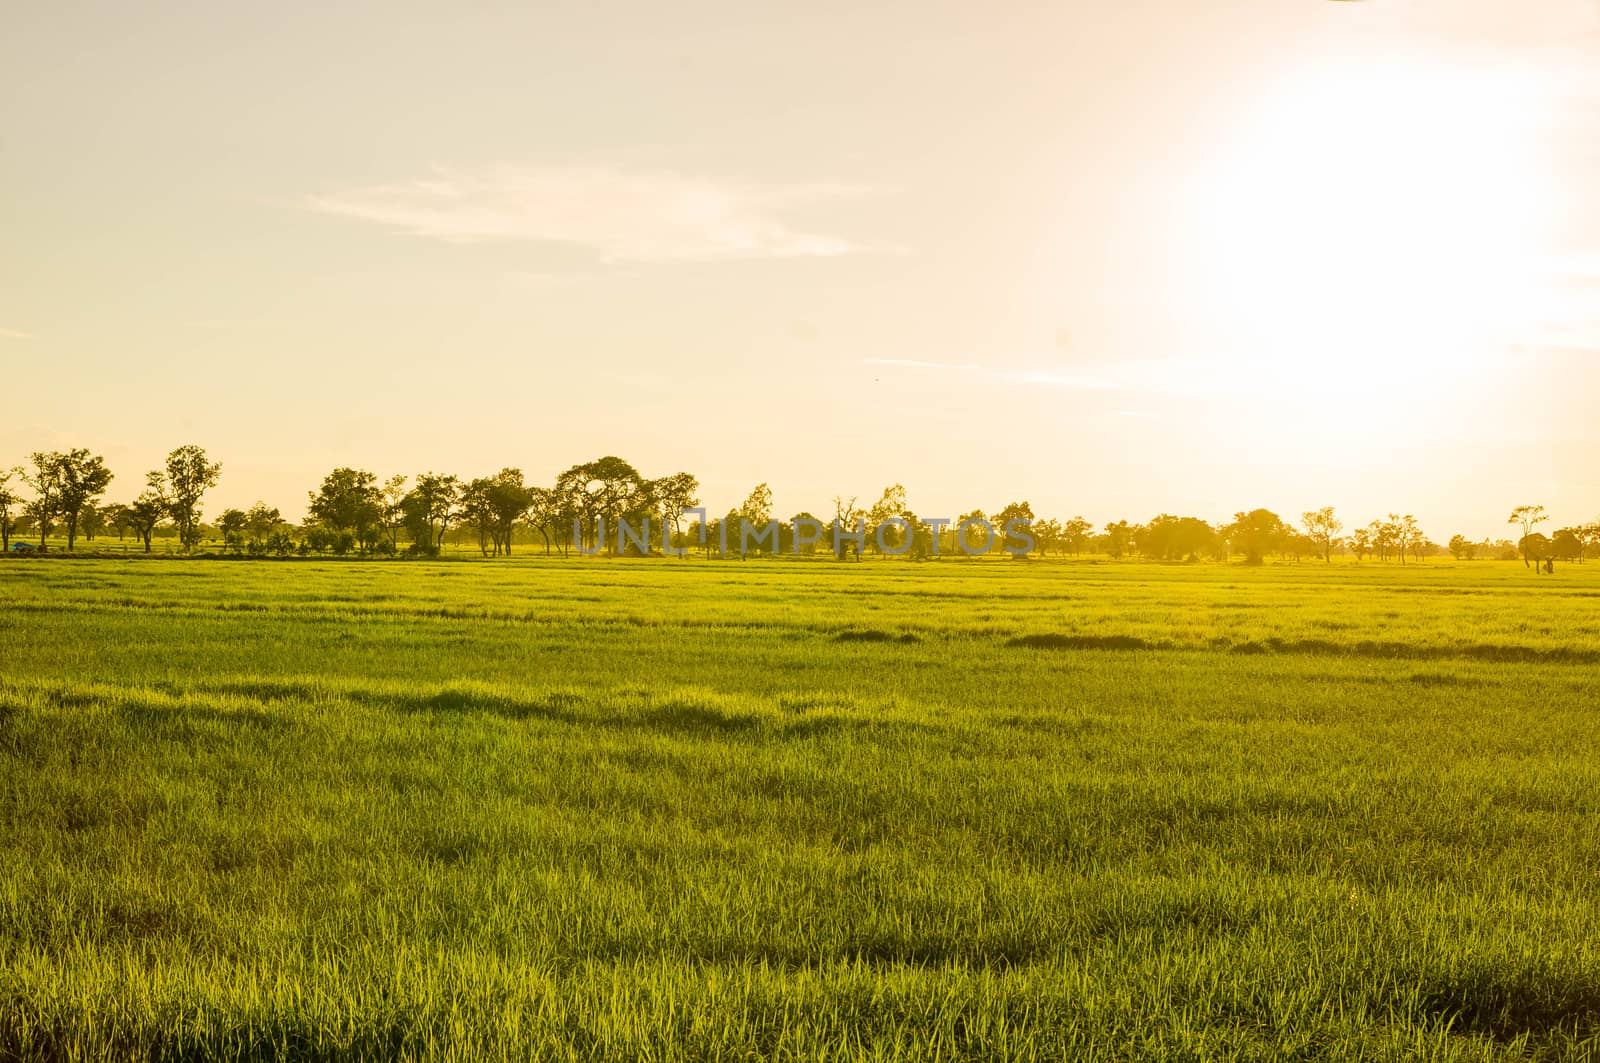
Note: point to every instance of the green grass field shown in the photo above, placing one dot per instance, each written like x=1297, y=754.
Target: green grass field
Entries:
x=782, y=810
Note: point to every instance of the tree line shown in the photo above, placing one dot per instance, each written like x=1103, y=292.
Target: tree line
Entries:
x=608, y=506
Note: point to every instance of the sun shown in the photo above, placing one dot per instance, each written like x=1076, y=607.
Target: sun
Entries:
x=1379, y=216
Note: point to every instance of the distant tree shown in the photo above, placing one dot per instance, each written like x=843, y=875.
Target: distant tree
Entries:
x=1170, y=538
x=1323, y=529
x=1049, y=535
x=1075, y=534
x=430, y=507
x=1528, y=517
x=1566, y=544
x=545, y=516
x=1254, y=533
x=1461, y=548
x=1589, y=536
x=232, y=524
x=1361, y=543
x=261, y=521
x=508, y=499
x=189, y=476
x=391, y=508
x=115, y=517
x=756, y=514
x=91, y=522
x=45, y=482
x=348, y=503
x=1534, y=547
x=970, y=531
x=1412, y=538
x=674, y=494
x=82, y=479
x=603, y=492
x=1117, y=537
x=148, y=510
x=10, y=507
x=477, y=512
x=889, y=506
x=1019, y=512
x=847, y=517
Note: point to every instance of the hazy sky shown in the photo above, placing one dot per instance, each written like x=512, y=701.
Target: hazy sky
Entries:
x=1114, y=258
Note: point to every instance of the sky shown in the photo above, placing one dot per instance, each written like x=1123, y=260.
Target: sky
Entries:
x=1114, y=258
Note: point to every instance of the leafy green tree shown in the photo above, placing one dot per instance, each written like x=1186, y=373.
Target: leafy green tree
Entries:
x=149, y=509
x=603, y=492
x=755, y=514
x=189, y=476
x=508, y=500
x=891, y=504
x=232, y=525
x=80, y=479
x=115, y=517
x=1461, y=548
x=348, y=503
x=430, y=507
x=261, y=521
x=674, y=494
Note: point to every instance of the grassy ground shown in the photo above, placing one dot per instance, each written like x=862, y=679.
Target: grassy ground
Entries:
x=679, y=810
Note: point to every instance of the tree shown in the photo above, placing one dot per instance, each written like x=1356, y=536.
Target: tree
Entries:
x=1322, y=528
x=674, y=494
x=189, y=476
x=1412, y=538
x=847, y=517
x=1117, y=536
x=430, y=507
x=1461, y=548
x=45, y=482
x=349, y=502
x=1361, y=543
x=148, y=509
x=755, y=513
x=1566, y=544
x=890, y=505
x=1589, y=536
x=262, y=521
x=1169, y=538
x=10, y=506
x=232, y=524
x=508, y=499
x=80, y=479
x=1254, y=533
x=391, y=507
x=602, y=492
x=93, y=521
x=115, y=517
x=1075, y=534
x=1528, y=517
x=1022, y=514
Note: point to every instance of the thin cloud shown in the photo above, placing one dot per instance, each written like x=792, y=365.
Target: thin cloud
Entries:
x=618, y=216
x=14, y=334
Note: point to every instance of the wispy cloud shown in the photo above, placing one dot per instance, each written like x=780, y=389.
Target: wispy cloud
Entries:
x=14, y=334
x=1072, y=381
x=619, y=216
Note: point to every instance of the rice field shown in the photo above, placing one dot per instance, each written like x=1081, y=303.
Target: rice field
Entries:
x=785, y=810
